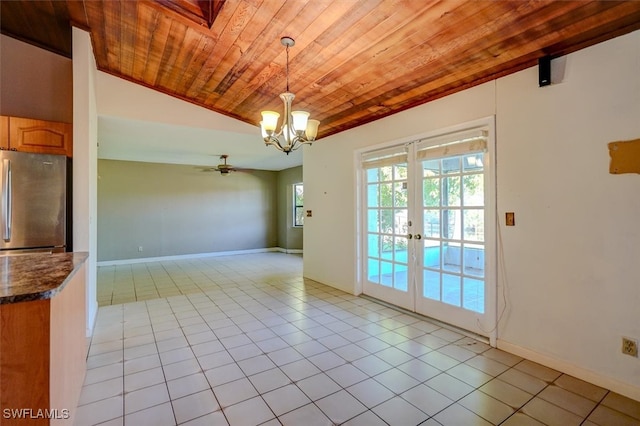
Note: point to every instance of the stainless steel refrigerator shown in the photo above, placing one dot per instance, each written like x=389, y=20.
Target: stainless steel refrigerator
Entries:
x=33, y=202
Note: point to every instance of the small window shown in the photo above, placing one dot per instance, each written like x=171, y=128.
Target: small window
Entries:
x=298, y=204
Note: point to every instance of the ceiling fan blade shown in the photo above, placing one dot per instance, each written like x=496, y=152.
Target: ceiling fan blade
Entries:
x=224, y=168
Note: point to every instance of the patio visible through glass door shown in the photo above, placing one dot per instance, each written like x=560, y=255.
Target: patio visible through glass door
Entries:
x=426, y=228
x=453, y=239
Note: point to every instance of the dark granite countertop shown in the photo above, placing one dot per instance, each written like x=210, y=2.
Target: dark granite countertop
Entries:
x=36, y=276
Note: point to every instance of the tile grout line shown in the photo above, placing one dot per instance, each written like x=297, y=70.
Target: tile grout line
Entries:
x=309, y=302
x=166, y=382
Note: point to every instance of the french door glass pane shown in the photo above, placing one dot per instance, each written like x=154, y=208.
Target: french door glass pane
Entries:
x=374, y=245
x=387, y=247
x=451, y=257
x=452, y=225
x=401, y=281
x=431, y=167
x=474, y=260
x=373, y=270
x=386, y=221
x=431, y=192
x=473, y=295
x=387, y=226
x=473, y=162
x=400, y=194
x=474, y=225
x=451, y=189
x=386, y=199
x=451, y=165
x=431, y=284
x=373, y=225
x=400, y=172
x=453, y=228
x=451, y=289
x=431, y=223
x=372, y=196
x=386, y=277
x=386, y=173
x=400, y=249
x=400, y=222
x=432, y=255
x=473, y=188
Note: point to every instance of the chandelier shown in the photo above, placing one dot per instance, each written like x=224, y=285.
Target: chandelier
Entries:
x=297, y=129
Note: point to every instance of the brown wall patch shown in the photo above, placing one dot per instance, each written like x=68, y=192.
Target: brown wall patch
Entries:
x=625, y=157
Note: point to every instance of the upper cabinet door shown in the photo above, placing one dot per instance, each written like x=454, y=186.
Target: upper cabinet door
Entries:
x=4, y=132
x=39, y=136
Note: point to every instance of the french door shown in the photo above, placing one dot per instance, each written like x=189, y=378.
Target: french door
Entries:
x=387, y=228
x=428, y=226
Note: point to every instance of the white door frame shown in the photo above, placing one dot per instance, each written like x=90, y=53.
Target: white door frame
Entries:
x=488, y=327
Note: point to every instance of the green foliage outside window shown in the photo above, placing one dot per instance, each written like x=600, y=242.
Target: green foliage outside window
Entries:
x=298, y=203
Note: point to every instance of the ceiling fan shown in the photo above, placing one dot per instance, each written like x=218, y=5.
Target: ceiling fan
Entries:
x=223, y=168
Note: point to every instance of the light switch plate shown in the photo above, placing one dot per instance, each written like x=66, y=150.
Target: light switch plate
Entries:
x=510, y=219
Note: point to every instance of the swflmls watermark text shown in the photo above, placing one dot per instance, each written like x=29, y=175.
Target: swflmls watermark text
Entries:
x=31, y=413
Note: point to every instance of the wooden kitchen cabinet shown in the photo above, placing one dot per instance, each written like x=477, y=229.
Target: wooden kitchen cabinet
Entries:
x=4, y=132
x=39, y=136
x=43, y=350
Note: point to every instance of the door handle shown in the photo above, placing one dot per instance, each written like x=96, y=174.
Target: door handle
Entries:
x=6, y=199
x=418, y=236
x=409, y=236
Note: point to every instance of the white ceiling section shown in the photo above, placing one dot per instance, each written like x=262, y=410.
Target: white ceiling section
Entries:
x=139, y=124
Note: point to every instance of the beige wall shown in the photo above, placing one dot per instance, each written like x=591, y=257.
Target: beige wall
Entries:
x=34, y=83
x=289, y=236
x=173, y=210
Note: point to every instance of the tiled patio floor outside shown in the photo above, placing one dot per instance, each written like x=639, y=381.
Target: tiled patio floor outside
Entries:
x=245, y=340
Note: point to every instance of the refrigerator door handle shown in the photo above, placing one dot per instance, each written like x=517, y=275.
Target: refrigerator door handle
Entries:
x=6, y=199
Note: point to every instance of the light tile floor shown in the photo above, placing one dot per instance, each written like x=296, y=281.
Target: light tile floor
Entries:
x=245, y=340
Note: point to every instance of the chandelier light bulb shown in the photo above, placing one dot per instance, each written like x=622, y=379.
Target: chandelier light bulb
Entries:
x=270, y=121
x=312, y=129
x=300, y=119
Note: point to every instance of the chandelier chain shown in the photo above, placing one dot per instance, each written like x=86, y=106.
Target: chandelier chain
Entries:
x=287, y=68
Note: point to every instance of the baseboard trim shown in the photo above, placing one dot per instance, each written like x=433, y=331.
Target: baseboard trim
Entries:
x=195, y=256
x=593, y=377
x=289, y=251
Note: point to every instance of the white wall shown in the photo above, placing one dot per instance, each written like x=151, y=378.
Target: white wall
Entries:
x=570, y=263
x=121, y=98
x=34, y=82
x=85, y=163
x=137, y=123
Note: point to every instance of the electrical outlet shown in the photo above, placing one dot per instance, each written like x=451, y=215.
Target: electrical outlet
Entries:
x=140, y=248
x=629, y=347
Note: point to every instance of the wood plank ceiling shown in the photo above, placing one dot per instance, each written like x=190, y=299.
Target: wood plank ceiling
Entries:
x=353, y=61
